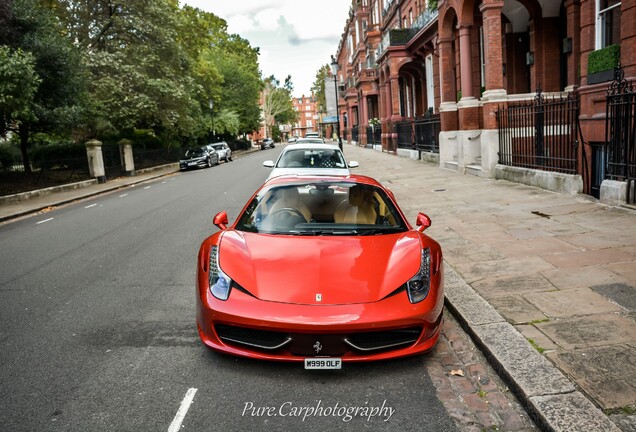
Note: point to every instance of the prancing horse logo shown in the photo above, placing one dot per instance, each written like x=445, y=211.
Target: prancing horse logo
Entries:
x=317, y=347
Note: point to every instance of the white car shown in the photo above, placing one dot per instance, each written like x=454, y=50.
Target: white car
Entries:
x=224, y=151
x=310, y=159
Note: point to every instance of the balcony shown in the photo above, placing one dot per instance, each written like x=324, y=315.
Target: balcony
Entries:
x=400, y=37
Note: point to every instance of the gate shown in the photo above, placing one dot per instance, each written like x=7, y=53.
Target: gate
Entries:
x=404, y=131
x=620, y=134
x=541, y=134
x=427, y=131
x=112, y=161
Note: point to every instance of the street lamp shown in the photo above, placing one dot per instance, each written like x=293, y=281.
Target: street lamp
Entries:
x=334, y=71
x=212, y=118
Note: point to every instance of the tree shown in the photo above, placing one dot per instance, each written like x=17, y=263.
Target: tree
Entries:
x=277, y=103
x=323, y=75
x=52, y=61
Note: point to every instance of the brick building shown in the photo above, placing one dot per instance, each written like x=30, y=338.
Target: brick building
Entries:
x=496, y=88
x=308, y=119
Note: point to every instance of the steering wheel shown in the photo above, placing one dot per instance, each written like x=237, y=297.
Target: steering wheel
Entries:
x=285, y=213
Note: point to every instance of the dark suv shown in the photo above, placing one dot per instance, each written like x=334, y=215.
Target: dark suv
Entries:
x=202, y=157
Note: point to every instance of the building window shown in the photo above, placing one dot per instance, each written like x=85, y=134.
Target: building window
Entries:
x=309, y=123
x=608, y=23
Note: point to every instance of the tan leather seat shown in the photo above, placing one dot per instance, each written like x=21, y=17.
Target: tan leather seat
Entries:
x=290, y=198
x=358, y=209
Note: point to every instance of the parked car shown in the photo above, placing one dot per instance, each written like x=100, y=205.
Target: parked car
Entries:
x=292, y=139
x=267, y=143
x=314, y=140
x=199, y=157
x=310, y=159
x=224, y=150
x=320, y=271
x=312, y=135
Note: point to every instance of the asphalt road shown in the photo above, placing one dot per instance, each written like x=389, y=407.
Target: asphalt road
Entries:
x=97, y=327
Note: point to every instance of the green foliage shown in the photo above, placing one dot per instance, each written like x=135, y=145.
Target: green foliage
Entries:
x=9, y=155
x=604, y=59
x=323, y=75
x=64, y=154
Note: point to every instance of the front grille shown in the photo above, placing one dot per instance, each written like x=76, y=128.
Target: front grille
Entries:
x=383, y=340
x=267, y=340
x=312, y=344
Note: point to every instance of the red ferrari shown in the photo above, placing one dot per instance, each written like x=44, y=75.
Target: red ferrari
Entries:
x=320, y=270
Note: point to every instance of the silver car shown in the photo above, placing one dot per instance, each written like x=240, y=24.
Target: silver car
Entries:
x=224, y=151
x=310, y=159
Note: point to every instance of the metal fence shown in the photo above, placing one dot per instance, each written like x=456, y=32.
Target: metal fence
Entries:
x=620, y=130
x=427, y=131
x=540, y=134
x=421, y=133
x=151, y=158
x=51, y=172
x=374, y=135
x=354, y=133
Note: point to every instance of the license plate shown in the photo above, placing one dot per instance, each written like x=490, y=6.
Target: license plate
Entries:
x=192, y=163
x=323, y=363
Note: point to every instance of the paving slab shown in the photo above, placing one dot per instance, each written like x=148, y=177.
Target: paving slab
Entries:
x=538, y=339
x=620, y=293
x=590, y=257
x=590, y=331
x=604, y=373
x=582, y=277
x=516, y=309
x=568, y=303
x=472, y=272
x=502, y=286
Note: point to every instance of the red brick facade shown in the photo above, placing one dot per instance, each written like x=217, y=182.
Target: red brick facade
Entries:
x=467, y=58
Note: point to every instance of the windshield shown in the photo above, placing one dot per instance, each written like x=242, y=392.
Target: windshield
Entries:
x=218, y=147
x=193, y=152
x=322, y=208
x=312, y=158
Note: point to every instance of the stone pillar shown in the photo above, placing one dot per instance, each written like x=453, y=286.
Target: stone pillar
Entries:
x=95, y=160
x=126, y=157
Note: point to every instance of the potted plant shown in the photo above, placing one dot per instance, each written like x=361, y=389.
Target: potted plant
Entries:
x=602, y=63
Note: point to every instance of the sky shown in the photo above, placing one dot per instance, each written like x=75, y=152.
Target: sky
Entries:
x=295, y=37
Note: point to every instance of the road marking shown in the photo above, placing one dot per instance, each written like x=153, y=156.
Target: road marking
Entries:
x=123, y=195
x=89, y=206
x=183, y=410
x=45, y=220
x=147, y=187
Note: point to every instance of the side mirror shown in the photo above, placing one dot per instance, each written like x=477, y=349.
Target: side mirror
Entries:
x=422, y=222
x=353, y=164
x=221, y=220
x=268, y=164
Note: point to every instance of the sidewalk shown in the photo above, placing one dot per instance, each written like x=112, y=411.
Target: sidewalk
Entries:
x=545, y=283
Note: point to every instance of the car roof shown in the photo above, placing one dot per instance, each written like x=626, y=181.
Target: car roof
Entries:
x=299, y=178
x=310, y=145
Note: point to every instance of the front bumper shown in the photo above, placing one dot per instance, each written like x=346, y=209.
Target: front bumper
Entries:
x=248, y=327
x=193, y=163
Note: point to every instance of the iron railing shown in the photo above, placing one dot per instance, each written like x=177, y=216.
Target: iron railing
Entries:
x=540, y=134
x=354, y=133
x=374, y=135
x=620, y=131
x=46, y=173
x=427, y=131
x=421, y=133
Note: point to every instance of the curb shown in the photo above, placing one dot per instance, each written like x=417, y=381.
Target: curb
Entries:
x=547, y=395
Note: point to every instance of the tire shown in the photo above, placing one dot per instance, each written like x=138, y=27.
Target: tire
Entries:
x=209, y=162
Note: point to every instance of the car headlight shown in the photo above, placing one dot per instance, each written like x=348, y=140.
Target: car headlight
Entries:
x=419, y=285
x=220, y=283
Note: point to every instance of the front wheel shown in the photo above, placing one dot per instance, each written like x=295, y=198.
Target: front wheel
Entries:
x=209, y=162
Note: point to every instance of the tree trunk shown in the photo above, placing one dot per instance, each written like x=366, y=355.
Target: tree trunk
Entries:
x=23, y=131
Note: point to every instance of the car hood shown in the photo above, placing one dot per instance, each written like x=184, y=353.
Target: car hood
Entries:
x=320, y=270
x=310, y=171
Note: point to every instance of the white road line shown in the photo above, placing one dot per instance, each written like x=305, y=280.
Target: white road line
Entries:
x=123, y=195
x=45, y=220
x=147, y=187
x=89, y=206
x=183, y=410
